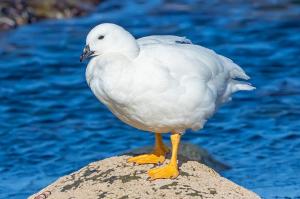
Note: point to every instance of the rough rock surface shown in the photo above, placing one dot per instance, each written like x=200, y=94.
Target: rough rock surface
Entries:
x=115, y=178
x=17, y=12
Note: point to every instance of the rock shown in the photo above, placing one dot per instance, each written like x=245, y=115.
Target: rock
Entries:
x=17, y=12
x=189, y=151
x=115, y=178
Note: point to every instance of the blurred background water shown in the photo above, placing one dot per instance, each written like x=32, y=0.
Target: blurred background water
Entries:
x=51, y=124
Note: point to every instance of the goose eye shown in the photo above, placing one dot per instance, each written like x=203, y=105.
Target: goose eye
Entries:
x=100, y=37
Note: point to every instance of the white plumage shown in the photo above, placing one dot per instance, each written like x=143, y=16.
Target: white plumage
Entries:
x=159, y=83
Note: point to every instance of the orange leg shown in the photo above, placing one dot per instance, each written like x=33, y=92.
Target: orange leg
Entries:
x=157, y=156
x=170, y=170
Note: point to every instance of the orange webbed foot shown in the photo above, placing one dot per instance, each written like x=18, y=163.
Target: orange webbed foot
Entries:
x=156, y=157
x=169, y=171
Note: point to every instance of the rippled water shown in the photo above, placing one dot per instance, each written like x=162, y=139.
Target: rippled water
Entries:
x=51, y=124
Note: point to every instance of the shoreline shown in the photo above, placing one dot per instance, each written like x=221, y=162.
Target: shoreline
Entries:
x=14, y=13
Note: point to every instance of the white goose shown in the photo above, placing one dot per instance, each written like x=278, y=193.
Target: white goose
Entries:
x=159, y=84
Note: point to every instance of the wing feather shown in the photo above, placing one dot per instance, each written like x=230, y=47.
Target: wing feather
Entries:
x=163, y=39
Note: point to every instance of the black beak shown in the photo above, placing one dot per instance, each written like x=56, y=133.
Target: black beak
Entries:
x=86, y=53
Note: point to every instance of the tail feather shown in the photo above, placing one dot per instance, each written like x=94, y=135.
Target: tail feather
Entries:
x=235, y=86
x=239, y=73
x=235, y=70
x=240, y=86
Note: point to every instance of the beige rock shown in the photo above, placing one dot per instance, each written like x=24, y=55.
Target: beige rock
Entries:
x=115, y=178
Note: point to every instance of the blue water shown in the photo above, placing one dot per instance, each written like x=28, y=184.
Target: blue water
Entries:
x=51, y=124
